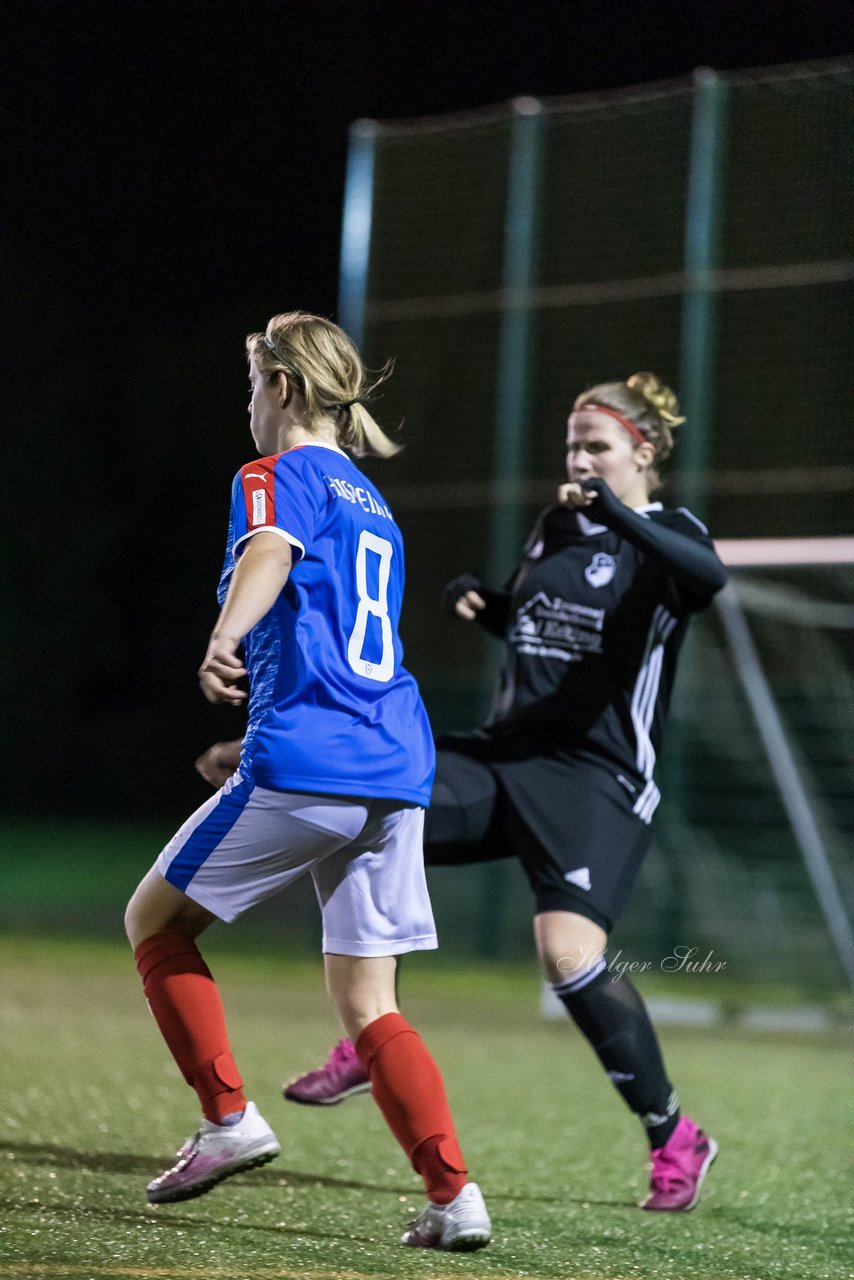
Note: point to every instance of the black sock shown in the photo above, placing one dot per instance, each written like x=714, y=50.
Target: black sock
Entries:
x=612, y=1015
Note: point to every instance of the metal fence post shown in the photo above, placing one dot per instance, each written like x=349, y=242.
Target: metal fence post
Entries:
x=356, y=229
x=518, y=278
x=701, y=260
x=512, y=414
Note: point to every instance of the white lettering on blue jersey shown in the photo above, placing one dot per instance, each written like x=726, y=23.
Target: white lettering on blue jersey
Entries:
x=365, y=499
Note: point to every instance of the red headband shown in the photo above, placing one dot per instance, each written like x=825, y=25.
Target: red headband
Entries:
x=618, y=417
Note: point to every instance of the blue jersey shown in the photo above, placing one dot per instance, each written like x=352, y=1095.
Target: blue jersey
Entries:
x=331, y=708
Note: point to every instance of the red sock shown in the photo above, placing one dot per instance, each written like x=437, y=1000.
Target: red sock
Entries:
x=183, y=997
x=408, y=1088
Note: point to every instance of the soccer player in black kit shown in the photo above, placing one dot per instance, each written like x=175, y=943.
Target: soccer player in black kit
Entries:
x=562, y=776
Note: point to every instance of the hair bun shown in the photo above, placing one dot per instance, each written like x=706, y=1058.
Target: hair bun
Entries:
x=658, y=396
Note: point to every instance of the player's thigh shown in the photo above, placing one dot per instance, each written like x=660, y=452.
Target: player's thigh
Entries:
x=582, y=845
x=461, y=821
x=248, y=843
x=373, y=892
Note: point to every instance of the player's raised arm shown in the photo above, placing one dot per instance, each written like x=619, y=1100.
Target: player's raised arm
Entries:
x=693, y=562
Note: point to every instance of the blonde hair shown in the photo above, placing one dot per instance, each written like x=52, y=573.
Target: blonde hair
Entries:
x=648, y=404
x=326, y=367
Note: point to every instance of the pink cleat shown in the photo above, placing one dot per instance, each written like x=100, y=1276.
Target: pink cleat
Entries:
x=341, y=1076
x=679, y=1167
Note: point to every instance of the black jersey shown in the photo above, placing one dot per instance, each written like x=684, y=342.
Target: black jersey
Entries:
x=593, y=634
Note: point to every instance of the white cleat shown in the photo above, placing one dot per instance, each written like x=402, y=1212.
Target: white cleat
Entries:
x=217, y=1151
x=461, y=1226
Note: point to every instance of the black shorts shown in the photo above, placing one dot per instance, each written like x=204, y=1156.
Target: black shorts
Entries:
x=567, y=818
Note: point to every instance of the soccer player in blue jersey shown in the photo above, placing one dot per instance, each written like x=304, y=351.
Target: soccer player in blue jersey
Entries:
x=335, y=770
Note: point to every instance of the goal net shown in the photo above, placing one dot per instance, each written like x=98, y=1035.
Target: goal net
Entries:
x=752, y=860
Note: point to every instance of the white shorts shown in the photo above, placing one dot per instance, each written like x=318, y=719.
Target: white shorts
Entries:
x=365, y=856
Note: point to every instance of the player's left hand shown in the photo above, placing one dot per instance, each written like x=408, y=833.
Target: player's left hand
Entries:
x=221, y=670
x=218, y=763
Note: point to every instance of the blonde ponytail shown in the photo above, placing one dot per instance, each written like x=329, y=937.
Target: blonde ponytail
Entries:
x=326, y=367
x=362, y=435
x=659, y=396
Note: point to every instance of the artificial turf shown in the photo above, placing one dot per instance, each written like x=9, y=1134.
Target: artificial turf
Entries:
x=93, y=1107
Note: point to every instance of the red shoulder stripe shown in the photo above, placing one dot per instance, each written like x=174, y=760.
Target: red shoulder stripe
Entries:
x=258, y=482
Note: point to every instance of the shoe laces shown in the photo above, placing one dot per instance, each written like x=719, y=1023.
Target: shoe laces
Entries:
x=342, y=1054
x=189, y=1143
x=667, y=1171
x=423, y=1219
x=190, y=1147
x=183, y=1156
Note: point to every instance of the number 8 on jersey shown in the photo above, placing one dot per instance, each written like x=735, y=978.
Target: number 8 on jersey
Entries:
x=372, y=606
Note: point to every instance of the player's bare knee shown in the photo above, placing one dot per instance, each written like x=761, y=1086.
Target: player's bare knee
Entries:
x=157, y=907
x=130, y=923
x=135, y=916
x=567, y=943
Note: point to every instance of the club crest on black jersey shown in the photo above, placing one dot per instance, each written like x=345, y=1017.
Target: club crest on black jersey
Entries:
x=601, y=569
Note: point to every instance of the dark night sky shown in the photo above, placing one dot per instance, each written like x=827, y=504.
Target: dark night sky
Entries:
x=173, y=176
x=169, y=156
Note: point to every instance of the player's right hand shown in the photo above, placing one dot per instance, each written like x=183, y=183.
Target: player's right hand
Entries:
x=218, y=763
x=575, y=496
x=462, y=596
x=220, y=671
x=469, y=606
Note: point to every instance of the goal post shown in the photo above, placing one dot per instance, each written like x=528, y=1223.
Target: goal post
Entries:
x=797, y=795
